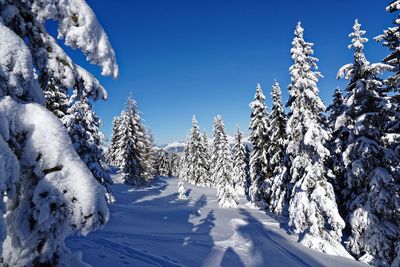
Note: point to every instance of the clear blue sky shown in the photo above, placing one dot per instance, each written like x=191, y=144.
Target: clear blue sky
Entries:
x=205, y=57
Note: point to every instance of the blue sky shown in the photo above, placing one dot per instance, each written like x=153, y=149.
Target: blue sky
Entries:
x=185, y=57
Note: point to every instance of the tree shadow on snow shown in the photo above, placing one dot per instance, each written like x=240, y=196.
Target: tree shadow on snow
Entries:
x=269, y=248
x=154, y=188
x=231, y=258
x=162, y=232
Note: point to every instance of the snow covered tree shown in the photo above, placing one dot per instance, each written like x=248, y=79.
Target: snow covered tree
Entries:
x=240, y=163
x=259, y=172
x=183, y=170
x=336, y=108
x=222, y=168
x=112, y=149
x=181, y=190
x=247, y=182
x=82, y=126
x=391, y=139
x=206, y=151
x=391, y=39
x=313, y=212
x=277, y=147
x=131, y=146
x=56, y=98
x=163, y=164
x=336, y=145
x=197, y=157
x=371, y=174
x=175, y=160
x=149, y=154
x=50, y=193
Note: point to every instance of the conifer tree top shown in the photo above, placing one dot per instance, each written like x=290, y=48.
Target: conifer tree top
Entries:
x=357, y=43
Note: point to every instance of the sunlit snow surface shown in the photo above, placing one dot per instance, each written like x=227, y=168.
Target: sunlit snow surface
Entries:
x=152, y=227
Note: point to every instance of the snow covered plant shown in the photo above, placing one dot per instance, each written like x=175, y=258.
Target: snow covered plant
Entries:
x=240, y=163
x=132, y=148
x=181, y=190
x=49, y=192
x=370, y=165
x=197, y=157
x=313, y=212
x=259, y=171
x=163, y=163
x=222, y=167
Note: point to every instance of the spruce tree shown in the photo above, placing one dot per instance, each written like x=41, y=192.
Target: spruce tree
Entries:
x=83, y=126
x=197, y=157
x=336, y=145
x=56, y=98
x=371, y=182
x=163, y=166
x=391, y=140
x=222, y=171
x=148, y=151
x=277, y=147
x=391, y=39
x=130, y=147
x=112, y=149
x=247, y=182
x=184, y=169
x=175, y=160
x=49, y=192
x=240, y=163
x=313, y=213
x=206, y=152
x=259, y=172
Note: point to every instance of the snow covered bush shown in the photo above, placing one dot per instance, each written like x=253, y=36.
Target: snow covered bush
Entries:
x=50, y=194
x=181, y=190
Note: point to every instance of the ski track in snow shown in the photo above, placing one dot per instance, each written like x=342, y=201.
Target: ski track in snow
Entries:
x=152, y=227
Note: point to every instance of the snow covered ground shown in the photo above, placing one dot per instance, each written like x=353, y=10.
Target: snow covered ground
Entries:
x=152, y=227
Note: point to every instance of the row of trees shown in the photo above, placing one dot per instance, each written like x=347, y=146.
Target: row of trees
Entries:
x=336, y=176
x=217, y=165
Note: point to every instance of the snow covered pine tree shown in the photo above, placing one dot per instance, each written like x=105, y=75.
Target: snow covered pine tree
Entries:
x=197, y=158
x=313, y=212
x=175, y=161
x=133, y=147
x=371, y=186
x=259, y=173
x=112, y=149
x=83, y=125
x=50, y=192
x=276, y=150
x=163, y=165
x=222, y=167
x=240, y=163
